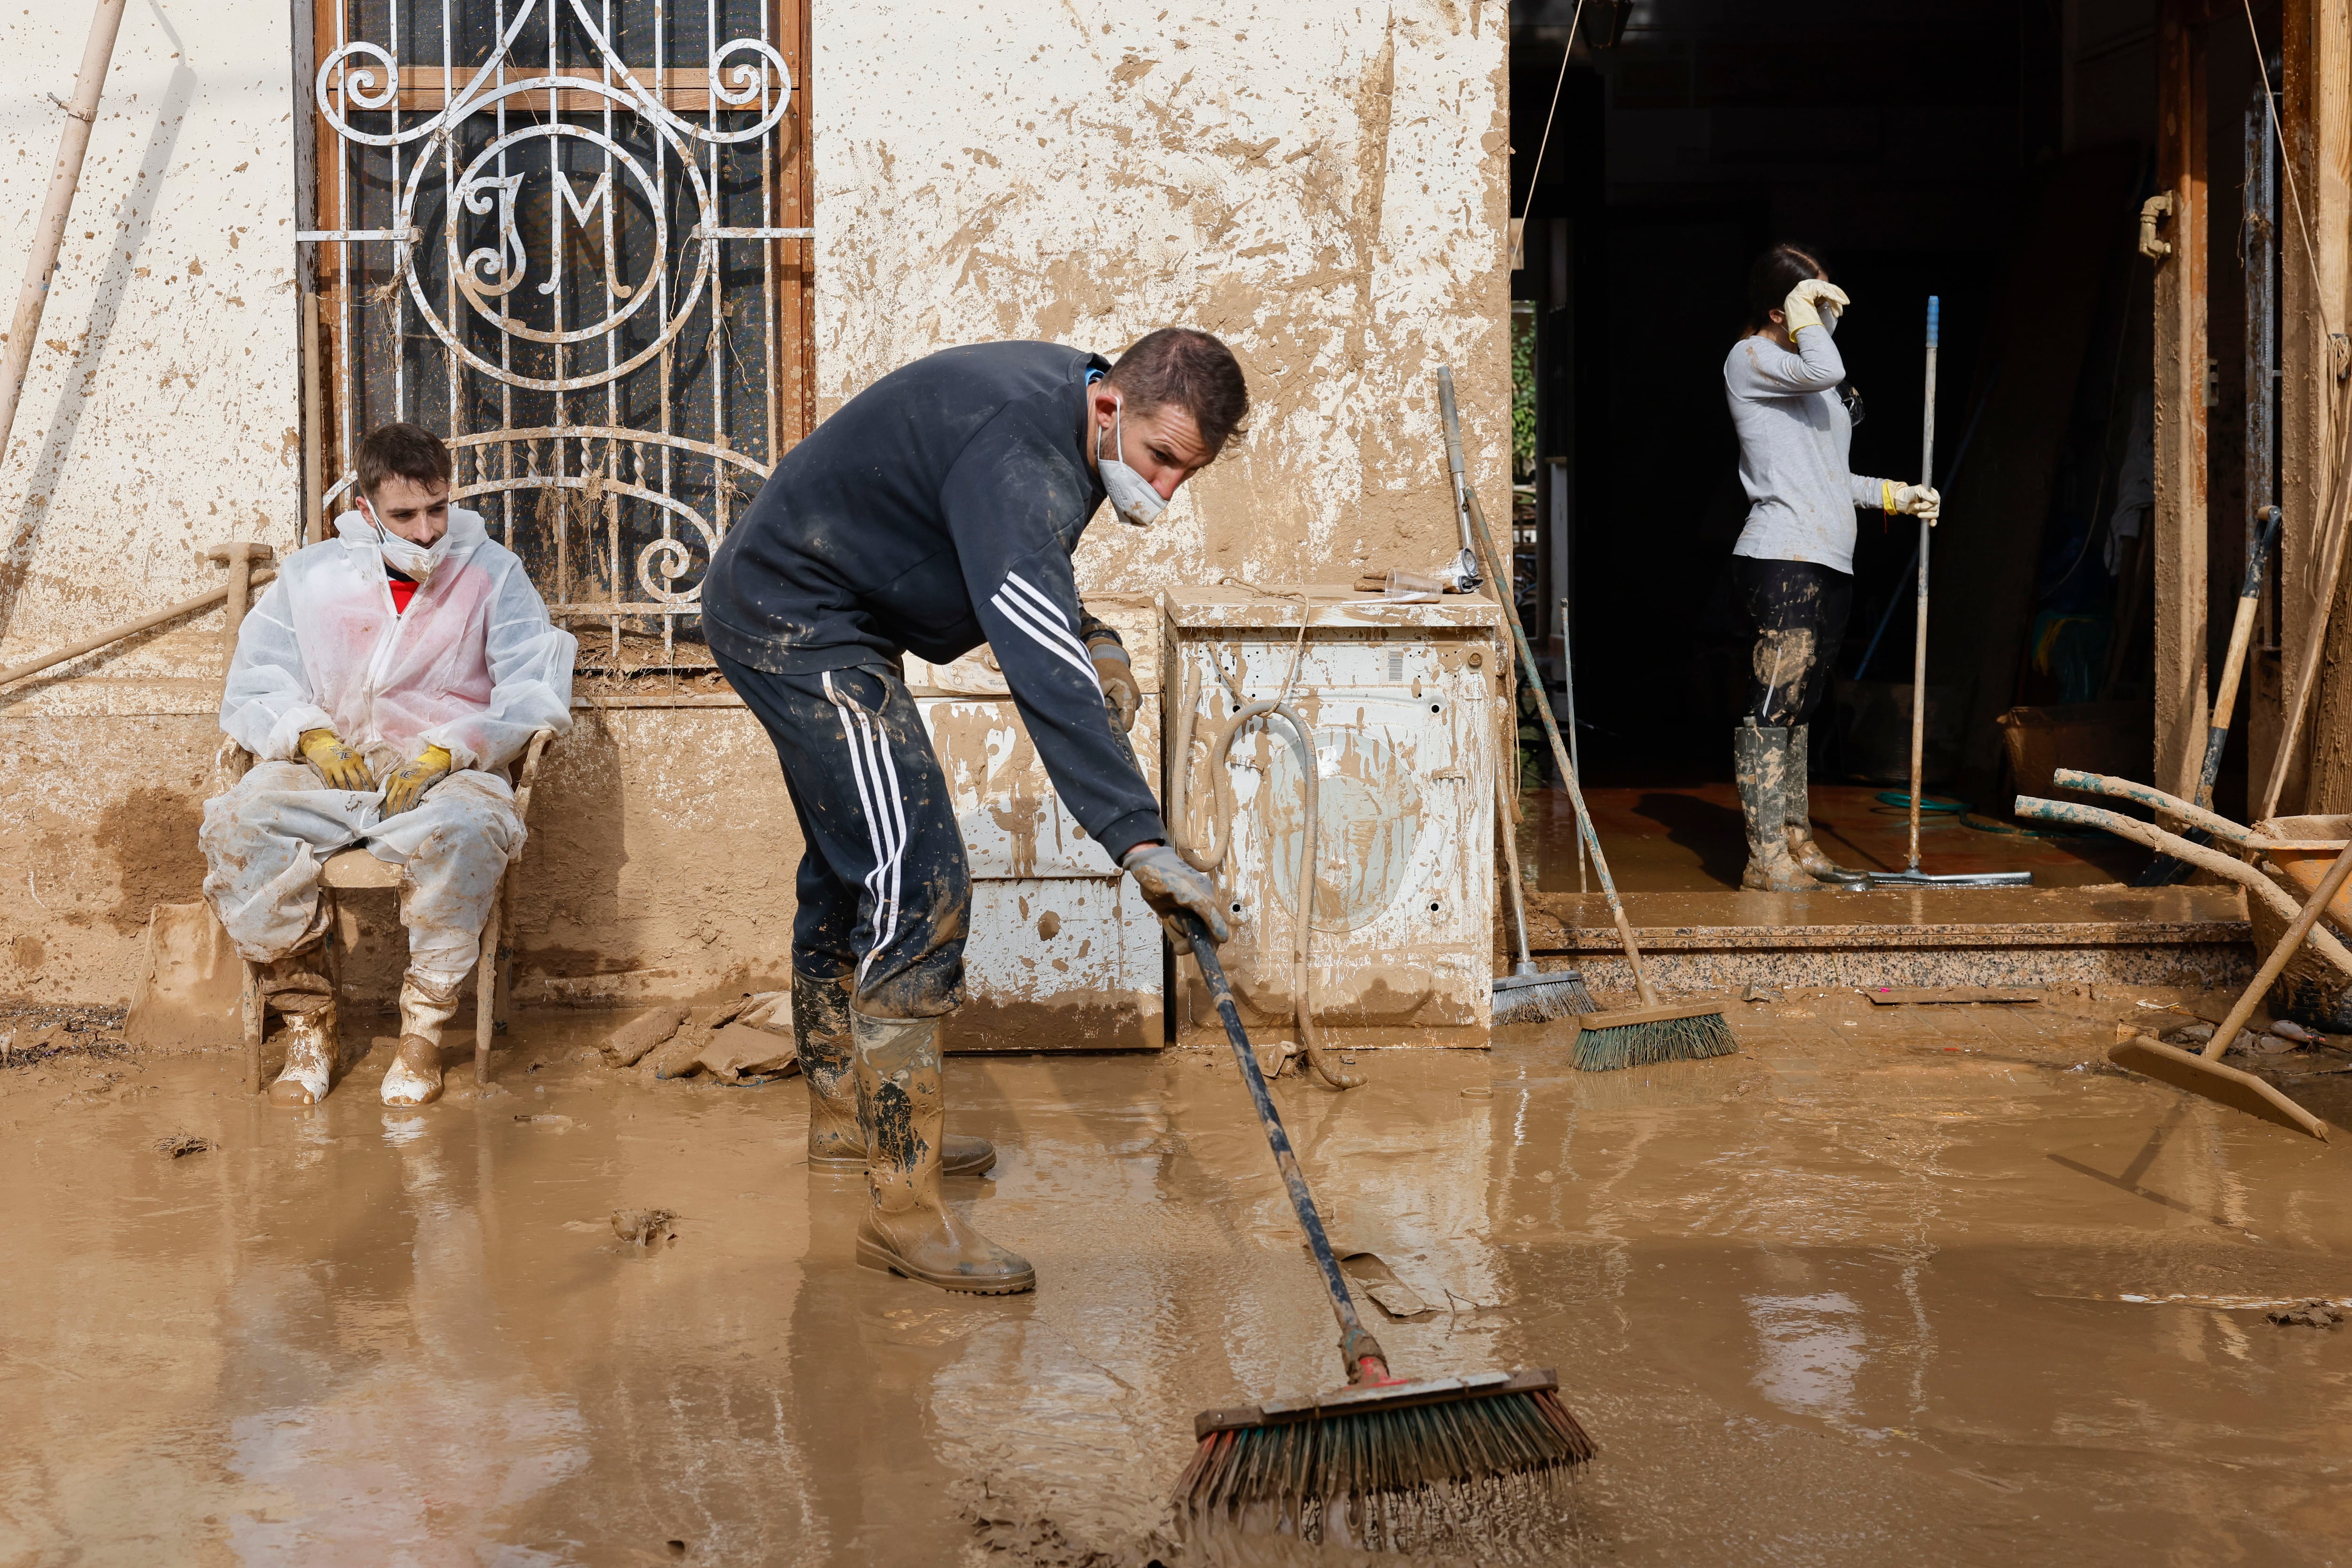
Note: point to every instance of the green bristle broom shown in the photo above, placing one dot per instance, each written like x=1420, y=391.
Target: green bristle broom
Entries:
x=1384, y=1461
x=1630, y=1037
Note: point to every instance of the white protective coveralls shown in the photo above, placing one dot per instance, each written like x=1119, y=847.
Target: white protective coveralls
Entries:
x=474, y=665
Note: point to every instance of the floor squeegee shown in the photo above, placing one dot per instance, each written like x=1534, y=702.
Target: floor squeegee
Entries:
x=1911, y=876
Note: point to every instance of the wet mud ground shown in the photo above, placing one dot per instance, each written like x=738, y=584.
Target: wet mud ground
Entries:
x=1893, y=1285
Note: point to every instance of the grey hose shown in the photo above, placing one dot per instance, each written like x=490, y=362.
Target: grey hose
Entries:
x=1222, y=788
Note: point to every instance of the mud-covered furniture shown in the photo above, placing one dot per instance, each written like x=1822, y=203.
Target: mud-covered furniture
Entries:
x=349, y=871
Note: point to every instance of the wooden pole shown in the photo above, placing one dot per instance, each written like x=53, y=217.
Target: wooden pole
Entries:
x=2179, y=525
x=97, y=53
x=89, y=645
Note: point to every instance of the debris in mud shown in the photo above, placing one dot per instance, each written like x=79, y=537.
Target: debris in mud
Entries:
x=640, y=1035
x=181, y=1144
x=2307, y=1315
x=30, y=1035
x=683, y=1055
x=1760, y=994
x=645, y=1228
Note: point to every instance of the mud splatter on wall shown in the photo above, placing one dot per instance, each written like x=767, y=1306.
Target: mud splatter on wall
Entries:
x=1319, y=181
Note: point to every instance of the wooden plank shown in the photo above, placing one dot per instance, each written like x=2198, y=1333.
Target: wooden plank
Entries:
x=1900, y=995
x=2315, y=306
x=2179, y=522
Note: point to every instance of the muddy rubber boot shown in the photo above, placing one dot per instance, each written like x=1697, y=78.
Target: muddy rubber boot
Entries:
x=836, y=1140
x=1807, y=854
x=1760, y=767
x=909, y=1230
x=427, y=1005
x=308, y=1033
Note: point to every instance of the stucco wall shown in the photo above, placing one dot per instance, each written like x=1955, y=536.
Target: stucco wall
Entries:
x=1321, y=182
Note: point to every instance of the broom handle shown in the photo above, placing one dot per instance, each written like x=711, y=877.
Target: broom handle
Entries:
x=1920, y=637
x=1510, y=838
x=1477, y=516
x=2304, y=918
x=1357, y=1345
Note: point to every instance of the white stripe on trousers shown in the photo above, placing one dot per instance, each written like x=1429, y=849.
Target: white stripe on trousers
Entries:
x=870, y=766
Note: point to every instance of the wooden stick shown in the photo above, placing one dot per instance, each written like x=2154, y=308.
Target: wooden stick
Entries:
x=2198, y=854
x=1919, y=638
x=2300, y=928
x=87, y=645
x=97, y=54
x=2334, y=527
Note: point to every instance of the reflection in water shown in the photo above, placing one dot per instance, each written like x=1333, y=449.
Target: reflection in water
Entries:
x=1809, y=1351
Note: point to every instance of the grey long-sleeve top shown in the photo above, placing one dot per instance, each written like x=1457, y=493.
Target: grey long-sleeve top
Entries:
x=1794, y=436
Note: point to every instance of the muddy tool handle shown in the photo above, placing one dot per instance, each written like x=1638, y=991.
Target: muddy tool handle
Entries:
x=1477, y=516
x=1367, y=1363
x=1454, y=463
x=2289, y=945
x=1919, y=637
x=2164, y=870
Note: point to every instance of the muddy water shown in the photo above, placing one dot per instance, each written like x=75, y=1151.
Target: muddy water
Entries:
x=1859, y=1295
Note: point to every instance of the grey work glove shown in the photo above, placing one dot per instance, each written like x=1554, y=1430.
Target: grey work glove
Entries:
x=1172, y=887
x=1116, y=673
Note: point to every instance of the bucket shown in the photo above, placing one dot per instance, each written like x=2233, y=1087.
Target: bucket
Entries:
x=2097, y=737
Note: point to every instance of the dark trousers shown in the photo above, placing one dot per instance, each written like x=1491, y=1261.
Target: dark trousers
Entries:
x=884, y=891
x=1799, y=611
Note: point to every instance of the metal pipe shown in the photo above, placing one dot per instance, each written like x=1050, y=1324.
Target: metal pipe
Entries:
x=98, y=53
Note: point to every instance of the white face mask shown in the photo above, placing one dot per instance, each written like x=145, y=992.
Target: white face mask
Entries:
x=1135, y=502
x=406, y=556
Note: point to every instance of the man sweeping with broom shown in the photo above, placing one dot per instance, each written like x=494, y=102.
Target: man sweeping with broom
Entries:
x=935, y=512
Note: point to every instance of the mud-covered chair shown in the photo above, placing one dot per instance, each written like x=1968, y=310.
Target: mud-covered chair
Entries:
x=350, y=870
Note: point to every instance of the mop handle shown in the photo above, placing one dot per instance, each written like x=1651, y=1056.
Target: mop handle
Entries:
x=1509, y=834
x=1919, y=643
x=1355, y=1343
x=1477, y=517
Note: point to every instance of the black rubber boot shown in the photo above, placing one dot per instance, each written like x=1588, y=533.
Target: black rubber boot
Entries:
x=908, y=1229
x=821, y=1036
x=1801, y=847
x=1760, y=767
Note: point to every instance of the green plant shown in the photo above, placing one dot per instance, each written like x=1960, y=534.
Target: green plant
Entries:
x=1523, y=391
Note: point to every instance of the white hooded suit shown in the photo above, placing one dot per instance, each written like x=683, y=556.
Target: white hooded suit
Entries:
x=474, y=665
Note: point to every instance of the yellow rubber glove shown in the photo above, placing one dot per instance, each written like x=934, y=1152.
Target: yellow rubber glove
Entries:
x=341, y=766
x=1802, y=307
x=406, y=785
x=1914, y=500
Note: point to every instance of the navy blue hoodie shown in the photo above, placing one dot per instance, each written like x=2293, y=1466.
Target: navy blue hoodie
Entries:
x=937, y=510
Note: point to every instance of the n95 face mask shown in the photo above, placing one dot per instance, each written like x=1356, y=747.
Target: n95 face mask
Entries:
x=1135, y=502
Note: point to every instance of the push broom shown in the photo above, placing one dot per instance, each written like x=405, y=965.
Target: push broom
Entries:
x=1384, y=1458
x=1630, y=1037
x=1911, y=876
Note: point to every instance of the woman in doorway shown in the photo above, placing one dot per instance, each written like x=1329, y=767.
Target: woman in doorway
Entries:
x=1793, y=565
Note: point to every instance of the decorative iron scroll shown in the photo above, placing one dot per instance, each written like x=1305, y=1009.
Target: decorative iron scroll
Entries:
x=551, y=230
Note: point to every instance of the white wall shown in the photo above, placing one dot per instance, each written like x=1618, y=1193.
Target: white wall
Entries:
x=1320, y=182
x=162, y=411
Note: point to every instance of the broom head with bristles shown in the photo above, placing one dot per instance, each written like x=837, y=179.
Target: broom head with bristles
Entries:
x=1638, y=1036
x=1382, y=1456
x=1532, y=997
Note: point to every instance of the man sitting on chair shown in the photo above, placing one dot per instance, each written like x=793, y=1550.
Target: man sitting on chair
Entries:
x=382, y=682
